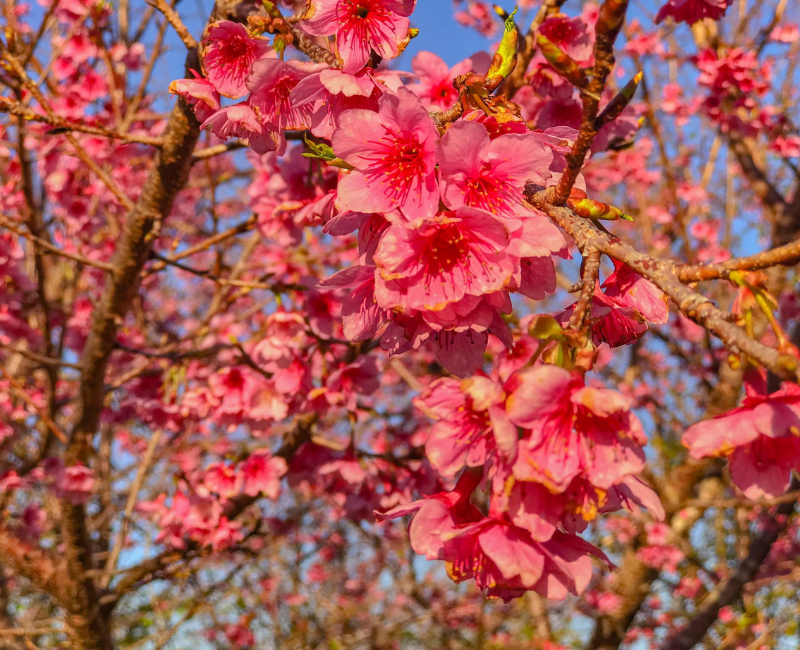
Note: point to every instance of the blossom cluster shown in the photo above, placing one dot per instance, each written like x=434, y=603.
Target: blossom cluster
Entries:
x=444, y=239
x=549, y=452
x=443, y=235
x=761, y=438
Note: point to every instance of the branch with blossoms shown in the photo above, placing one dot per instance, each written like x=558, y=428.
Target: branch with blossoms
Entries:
x=663, y=275
x=203, y=312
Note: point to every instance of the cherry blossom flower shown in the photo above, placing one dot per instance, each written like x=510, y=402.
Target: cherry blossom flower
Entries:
x=788, y=33
x=394, y=155
x=438, y=515
x=362, y=317
x=240, y=121
x=692, y=11
x=223, y=479
x=435, y=87
x=489, y=174
x=612, y=321
x=574, y=430
x=479, y=16
x=360, y=26
x=350, y=380
x=504, y=560
x=444, y=259
x=75, y=483
x=199, y=93
x=271, y=82
x=261, y=474
x=464, y=433
x=761, y=437
x=331, y=93
x=230, y=51
x=633, y=290
x=569, y=34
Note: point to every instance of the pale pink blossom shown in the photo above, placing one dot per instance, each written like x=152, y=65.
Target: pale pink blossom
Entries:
x=441, y=261
x=489, y=174
x=575, y=430
x=761, y=438
x=464, y=434
x=435, y=86
x=262, y=473
x=692, y=11
x=229, y=52
x=75, y=483
x=394, y=155
x=360, y=27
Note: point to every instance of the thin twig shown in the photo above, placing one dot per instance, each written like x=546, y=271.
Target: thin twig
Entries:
x=103, y=266
x=27, y=113
x=23, y=395
x=177, y=24
x=111, y=564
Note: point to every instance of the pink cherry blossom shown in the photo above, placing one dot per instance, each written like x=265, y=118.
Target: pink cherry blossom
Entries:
x=788, y=33
x=575, y=430
x=435, y=87
x=489, y=174
x=438, y=515
x=442, y=260
x=569, y=34
x=692, y=11
x=612, y=320
x=360, y=26
x=463, y=434
x=761, y=437
x=240, y=121
x=261, y=474
x=504, y=560
x=229, y=53
x=223, y=479
x=199, y=93
x=362, y=317
x=634, y=291
x=394, y=155
x=331, y=93
x=75, y=483
x=271, y=82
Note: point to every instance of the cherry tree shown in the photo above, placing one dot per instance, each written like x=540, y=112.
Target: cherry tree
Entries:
x=336, y=342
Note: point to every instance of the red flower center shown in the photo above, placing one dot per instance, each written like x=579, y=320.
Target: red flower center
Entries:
x=401, y=162
x=448, y=248
x=559, y=30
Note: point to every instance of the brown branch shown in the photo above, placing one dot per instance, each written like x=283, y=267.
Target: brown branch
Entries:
x=216, y=150
x=26, y=113
x=730, y=589
x=693, y=305
x=781, y=213
x=786, y=255
x=167, y=176
x=39, y=358
x=789, y=497
x=177, y=24
x=133, y=495
x=609, y=23
x=591, y=271
x=54, y=249
x=527, y=50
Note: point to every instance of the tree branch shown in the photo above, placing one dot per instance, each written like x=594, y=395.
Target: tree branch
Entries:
x=730, y=589
x=662, y=273
x=786, y=255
